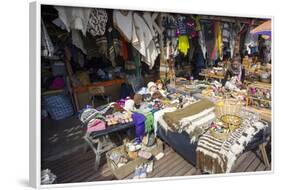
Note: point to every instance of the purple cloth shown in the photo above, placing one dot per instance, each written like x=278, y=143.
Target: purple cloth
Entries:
x=58, y=83
x=139, y=121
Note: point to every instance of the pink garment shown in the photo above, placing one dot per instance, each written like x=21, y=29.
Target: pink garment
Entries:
x=58, y=83
x=96, y=125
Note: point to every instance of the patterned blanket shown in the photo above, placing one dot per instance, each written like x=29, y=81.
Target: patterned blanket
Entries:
x=194, y=119
x=218, y=156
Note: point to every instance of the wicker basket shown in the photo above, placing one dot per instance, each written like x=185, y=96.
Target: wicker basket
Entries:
x=229, y=112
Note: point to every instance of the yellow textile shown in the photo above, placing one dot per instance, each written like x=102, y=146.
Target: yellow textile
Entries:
x=219, y=40
x=183, y=44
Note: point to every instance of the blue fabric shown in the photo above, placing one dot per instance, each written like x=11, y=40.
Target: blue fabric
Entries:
x=181, y=25
x=58, y=106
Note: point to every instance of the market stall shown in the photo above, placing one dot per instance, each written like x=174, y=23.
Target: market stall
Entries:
x=140, y=81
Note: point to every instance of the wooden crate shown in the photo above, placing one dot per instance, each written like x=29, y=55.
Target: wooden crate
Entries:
x=253, y=100
x=124, y=171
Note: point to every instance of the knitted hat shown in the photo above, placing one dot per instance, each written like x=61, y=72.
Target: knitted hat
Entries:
x=151, y=84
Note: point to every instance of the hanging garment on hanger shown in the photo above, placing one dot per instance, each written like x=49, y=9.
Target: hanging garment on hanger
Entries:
x=146, y=45
x=97, y=22
x=183, y=44
x=74, y=18
x=191, y=27
x=124, y=23
x=114, y=45
x=202, y=42
x=154, y=28
x=181, y=25
x=225, y=32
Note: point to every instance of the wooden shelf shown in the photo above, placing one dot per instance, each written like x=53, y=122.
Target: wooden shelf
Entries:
x=250, y=97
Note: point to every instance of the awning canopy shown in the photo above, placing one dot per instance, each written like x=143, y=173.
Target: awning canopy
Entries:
x=263, y=29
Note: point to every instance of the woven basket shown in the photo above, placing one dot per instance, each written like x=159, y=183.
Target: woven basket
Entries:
x=227, y=110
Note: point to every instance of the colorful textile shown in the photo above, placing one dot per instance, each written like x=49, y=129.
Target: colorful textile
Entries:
x=124, y=49
x=58, y=106
x=181, y=25
x=58, y=83
x=95, y=125
x=183, y=44
x=139, y=121
x=149, y=119
x=217, y=51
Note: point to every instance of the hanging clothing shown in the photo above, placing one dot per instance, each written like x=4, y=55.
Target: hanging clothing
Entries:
x=217, y=51
x=47, y=46
x=208, y=33
x=197, y=22
x=183, y=44
x=181, y=25
x=233, y=34
x=91, y=46
x=124, y=49
x=97, y=22
x=191, y=28
x=146, y=45
x=74, y=17
x=154, y=28
x=78, y=41
x=136, y=58
x=202, y=43
x=114, y=45
x=219, y=42
x=225, y=32
x=123, y=22
x=251, y=41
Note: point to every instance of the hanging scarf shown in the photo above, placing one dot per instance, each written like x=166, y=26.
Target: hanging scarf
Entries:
x=97, y=22
x=183, y=44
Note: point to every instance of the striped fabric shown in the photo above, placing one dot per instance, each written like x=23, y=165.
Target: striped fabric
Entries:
x=217, y=156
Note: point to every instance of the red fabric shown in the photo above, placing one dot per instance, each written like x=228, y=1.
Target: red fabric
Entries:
x=124, y=49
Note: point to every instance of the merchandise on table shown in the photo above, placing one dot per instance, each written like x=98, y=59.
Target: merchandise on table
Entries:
x=220, y=157
x=259, y=95
x=118, y=118
x=193, y=119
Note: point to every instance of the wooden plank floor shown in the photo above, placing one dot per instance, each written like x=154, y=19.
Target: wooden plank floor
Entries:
x=78, y=167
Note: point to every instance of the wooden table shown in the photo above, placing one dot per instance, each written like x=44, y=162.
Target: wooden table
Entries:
x=214, y=76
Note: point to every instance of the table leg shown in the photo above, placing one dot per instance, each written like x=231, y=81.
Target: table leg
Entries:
x=264, y=155
x=103, y=144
